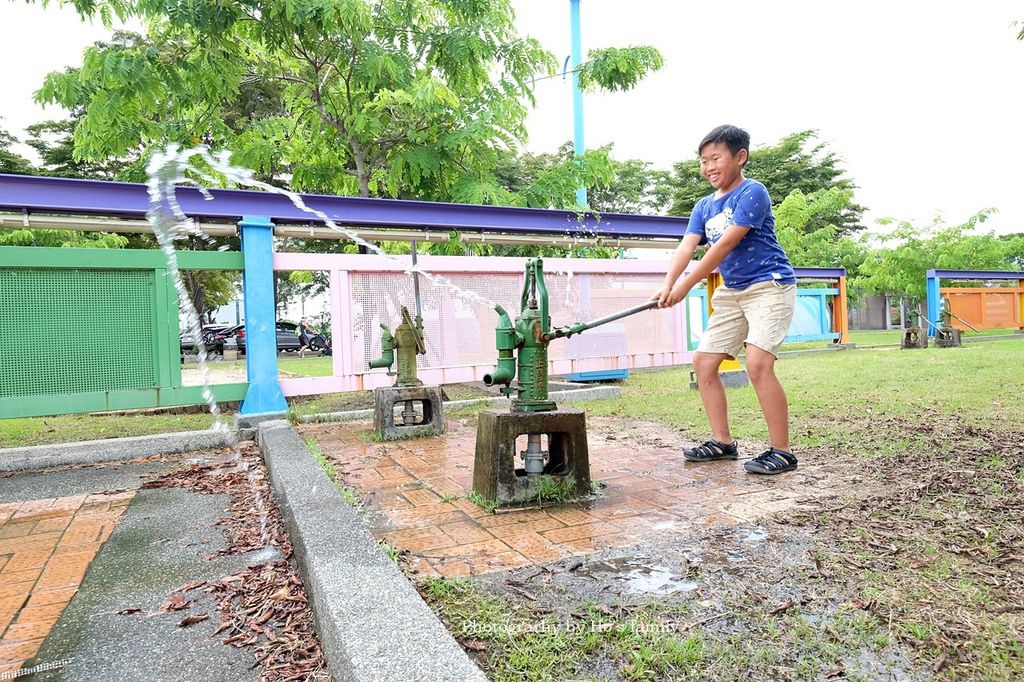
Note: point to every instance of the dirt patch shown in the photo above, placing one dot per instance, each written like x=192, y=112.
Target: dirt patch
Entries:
x=940, y=553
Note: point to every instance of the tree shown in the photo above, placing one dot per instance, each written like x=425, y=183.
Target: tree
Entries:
x=11, y=161
x=909, y=251
x=795, y=163
x=62, y=238
x=54, y=141
x=398, y=98
x=1015, y=250
x=818, y=247
x=629, y=186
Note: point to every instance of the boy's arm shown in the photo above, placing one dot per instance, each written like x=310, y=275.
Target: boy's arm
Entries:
x=680, y=259
x=711, y=260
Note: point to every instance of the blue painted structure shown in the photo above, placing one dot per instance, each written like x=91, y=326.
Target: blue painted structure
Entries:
x=264, y=395
x=812, y=319
x=576, y=55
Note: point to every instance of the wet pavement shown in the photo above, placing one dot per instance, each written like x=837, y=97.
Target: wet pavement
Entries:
x=416, y=495
x=70, y=564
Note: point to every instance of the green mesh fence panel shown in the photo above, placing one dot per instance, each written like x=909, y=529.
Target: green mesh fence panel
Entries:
x=65, y=331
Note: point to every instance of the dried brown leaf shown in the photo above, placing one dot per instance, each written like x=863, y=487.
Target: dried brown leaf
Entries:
x=176, y=603
x=474, y=644
x=193, y=619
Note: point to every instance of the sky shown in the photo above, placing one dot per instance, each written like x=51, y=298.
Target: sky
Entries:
x=922, y=100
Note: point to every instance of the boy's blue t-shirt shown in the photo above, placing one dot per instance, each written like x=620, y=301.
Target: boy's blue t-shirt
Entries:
x=758, y=257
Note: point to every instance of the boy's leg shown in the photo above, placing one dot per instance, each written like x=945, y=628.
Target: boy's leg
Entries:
x=722, y=339
x=712, y=393
x=770, y=394
x=769, y=309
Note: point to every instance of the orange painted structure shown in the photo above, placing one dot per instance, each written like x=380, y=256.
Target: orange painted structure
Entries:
x=986, y=308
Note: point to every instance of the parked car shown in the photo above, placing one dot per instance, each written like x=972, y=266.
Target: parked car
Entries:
x=287, y=339
x=215, y=343
x=188, y=341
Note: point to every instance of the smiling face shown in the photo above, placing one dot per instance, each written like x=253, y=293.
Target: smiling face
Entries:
x=722, y=168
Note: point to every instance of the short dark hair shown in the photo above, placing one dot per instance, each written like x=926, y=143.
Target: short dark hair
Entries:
x=732, y=137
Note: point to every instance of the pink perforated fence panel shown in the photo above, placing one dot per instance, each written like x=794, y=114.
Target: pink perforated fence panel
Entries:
x=458, y=331
x=370, y=290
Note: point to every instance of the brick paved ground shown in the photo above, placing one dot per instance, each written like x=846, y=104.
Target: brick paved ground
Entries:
x=418, y=489
x=45, y=549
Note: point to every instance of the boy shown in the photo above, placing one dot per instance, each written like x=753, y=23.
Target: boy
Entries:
x=755, y=306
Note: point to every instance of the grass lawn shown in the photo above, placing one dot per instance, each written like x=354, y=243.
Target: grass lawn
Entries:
x=363, y=400
x=310, y=366
x=73, y=428
x=882, y=337
x=838, y=398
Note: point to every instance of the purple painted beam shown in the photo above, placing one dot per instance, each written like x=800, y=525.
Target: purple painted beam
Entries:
x=974, y=274
x=122, y=199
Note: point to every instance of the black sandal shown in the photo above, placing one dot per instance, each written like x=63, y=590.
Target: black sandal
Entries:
x=770, y=462
x=710, y=451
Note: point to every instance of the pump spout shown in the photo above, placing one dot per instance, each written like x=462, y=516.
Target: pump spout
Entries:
x=387, y=344
x=506, y=342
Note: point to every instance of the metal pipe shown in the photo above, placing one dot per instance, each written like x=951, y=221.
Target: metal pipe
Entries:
x=583, y=326
x=416, y=283
x=972, y=327
x=533, y=455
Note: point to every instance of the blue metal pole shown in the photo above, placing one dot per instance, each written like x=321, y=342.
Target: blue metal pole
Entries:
x=264, y=394
x=577, y=94
x=934, y=300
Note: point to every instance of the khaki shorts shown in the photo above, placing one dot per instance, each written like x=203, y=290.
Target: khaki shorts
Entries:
x=758, y=315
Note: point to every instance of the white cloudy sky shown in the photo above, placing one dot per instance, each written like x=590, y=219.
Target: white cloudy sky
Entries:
x=921, y=99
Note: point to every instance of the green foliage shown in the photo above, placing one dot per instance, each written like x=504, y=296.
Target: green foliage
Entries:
x=636, y=188
x=10, y=161
x=1015, y=250
x=618, y=68
x=552, y=489
x=398, y=98
x=795, y=163
x=487, y=505
x=55, y=143
x=810, y=243
x=211, y=289
x=899, y=267
x=62, y=238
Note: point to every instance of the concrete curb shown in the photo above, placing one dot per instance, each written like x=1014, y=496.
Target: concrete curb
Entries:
x=111, y=449
x=566, y=396
x=372, y=623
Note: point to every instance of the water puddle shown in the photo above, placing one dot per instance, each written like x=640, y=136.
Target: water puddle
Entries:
x=756, y=535
x=638, y=576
